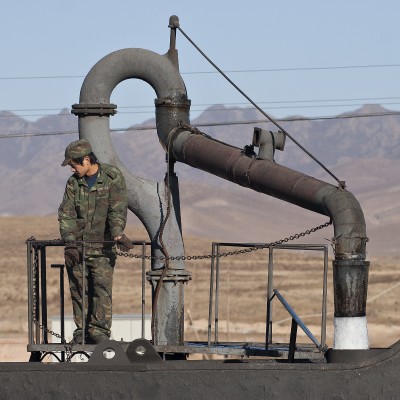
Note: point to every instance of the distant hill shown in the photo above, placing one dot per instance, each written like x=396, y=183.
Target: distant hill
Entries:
x=364, y=151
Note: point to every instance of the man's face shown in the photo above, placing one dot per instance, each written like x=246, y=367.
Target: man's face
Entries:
x=80, y=170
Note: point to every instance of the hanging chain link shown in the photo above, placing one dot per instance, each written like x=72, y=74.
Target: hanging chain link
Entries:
x=229, y=253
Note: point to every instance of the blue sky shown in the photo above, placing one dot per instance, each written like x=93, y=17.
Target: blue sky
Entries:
x=301, y=46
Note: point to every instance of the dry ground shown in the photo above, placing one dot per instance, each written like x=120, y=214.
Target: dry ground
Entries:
x=243, y=285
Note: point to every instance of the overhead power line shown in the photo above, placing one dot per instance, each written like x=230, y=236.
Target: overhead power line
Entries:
x=224, y=106
x=289, y=69
x=298, y=69
x=210, y=124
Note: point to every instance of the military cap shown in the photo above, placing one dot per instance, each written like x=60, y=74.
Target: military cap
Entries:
x=77, y=149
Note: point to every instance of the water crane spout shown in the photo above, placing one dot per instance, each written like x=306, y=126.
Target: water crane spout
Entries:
x=227, y=162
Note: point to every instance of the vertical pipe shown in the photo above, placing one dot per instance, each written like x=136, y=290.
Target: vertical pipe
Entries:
x=161, y=72
x=350, y=281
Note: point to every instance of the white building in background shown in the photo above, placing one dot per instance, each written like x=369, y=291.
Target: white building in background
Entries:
x=125, y=327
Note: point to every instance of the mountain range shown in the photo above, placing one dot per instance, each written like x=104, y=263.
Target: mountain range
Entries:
x=361, y=147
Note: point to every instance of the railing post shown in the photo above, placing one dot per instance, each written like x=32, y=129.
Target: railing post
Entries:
x=43, y=284
x=30, y=291
x=324, y=298
x=216, y=294
x=210, y=299
x=62, y=322
x=36, y=295
x=292, y=344
x=83, y=291
x=143, y=287
x=268, y=332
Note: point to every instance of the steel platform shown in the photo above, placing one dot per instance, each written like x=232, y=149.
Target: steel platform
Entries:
x=233, y=349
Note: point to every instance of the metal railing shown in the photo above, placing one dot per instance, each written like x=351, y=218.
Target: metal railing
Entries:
x=38, y=330
x=215, y=287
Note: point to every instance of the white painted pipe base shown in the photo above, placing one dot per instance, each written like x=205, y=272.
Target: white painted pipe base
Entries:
x=350, y=333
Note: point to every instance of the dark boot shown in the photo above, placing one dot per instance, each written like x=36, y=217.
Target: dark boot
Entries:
x=77, y=339
x=97, y=338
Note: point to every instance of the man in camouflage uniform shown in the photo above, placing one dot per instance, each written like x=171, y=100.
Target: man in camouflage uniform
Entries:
x=94, y=208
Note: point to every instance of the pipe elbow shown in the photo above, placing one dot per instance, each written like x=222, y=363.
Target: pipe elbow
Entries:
x=157, y=70
x=348, y=220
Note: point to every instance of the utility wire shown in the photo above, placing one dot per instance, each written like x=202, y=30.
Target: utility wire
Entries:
x=211, y=124
x=215, y=109
x=333, y=67
x=362, y=99
x=299, y=68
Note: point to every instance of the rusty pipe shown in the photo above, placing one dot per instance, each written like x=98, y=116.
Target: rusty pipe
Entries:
x=265, y=176
x=275, y=180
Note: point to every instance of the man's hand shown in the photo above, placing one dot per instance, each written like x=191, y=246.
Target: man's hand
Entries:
x=123, y=243
x=71, y=255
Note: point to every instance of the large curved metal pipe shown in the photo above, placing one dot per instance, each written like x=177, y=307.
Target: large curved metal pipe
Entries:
x=94, y=109
x=268, y=177
x=148, y=200
x=350, y=267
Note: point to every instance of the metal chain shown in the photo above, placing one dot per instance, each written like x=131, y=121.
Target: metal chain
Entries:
x=229, y=253
x=68, y=347
x=210, y=256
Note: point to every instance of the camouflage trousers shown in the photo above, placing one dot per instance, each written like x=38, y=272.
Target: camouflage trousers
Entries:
x=99, y=271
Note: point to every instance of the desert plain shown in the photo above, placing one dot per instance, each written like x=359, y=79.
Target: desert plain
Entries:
x=298, y=275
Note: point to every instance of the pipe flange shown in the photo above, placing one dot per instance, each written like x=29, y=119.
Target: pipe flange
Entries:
x=94, y=109
x=183, y=104
x=172, y=275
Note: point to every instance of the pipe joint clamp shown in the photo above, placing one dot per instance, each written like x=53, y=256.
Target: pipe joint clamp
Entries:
x=183, y=103
x=172, y=275
x=94, y=109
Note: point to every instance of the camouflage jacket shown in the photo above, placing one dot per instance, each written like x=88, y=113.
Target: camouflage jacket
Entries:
x=98, y=213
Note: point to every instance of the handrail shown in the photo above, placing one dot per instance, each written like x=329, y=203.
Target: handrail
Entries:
x=214, y=285
x=37, y=315
x=37, y=285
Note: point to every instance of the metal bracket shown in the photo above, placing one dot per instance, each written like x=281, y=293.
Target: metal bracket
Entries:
x=141, y=350
x=109, y=352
